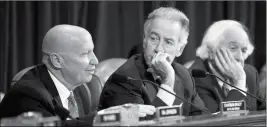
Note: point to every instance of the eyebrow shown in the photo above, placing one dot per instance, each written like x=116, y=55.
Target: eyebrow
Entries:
x=168, y=38
x=152, y=32
x=233, y=42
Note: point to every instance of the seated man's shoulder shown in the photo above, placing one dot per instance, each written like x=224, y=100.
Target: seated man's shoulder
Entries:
x=178, y=66
x=249, y=68
x=181, y=71
x=28, y=88
x=251, y=72
x=130, y=67
x=184, y=76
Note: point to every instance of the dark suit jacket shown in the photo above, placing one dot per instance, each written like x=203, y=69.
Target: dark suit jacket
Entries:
x=212, y=94
x=36, y=91
x=120, y=92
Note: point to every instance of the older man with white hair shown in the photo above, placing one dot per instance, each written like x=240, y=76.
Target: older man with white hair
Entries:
x=224, y=49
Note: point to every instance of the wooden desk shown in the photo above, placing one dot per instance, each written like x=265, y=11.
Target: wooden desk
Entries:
x=252, y=118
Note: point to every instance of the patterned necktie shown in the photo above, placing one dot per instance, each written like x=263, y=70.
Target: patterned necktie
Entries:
x=72, y=105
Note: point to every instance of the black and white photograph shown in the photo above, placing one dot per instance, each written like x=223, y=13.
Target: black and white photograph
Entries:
x=133, y=63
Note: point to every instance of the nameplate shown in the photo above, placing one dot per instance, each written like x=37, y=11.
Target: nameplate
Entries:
x=233, y=106
x=169, y=112
x=125, y=115
x=110, y=117
x=129, y=115
x=50, y=121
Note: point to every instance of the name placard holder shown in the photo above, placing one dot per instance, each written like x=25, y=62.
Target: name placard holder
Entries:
x=169, y=113
x=234, y=108
x=125, y=115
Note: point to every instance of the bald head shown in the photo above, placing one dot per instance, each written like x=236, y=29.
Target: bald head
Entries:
x=68, y=54
x=64, y=38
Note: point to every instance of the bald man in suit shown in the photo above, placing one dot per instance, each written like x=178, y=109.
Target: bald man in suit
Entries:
x=68, y=61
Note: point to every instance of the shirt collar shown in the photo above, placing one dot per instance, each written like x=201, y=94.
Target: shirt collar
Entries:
x=64, y=93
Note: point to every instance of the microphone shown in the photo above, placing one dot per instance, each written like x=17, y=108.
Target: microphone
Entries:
x=127, y=79
x=201, y=74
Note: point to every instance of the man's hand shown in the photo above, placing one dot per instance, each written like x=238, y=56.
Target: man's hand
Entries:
x=145, y=110
x=161, y=66
x=229, y=67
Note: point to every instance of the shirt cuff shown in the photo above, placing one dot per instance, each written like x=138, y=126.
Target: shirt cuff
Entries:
x=240, y=83
x=165, y=96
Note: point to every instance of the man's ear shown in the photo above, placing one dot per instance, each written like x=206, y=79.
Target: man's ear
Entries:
x=211, y=53
x=56, y=60
x=144, y=41
x=180, y=50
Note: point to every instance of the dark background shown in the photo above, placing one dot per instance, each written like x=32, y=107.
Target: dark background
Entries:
x=115, y=27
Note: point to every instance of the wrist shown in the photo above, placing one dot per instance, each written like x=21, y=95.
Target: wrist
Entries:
x=241, y=84
x=242, y=77
x=169, y=80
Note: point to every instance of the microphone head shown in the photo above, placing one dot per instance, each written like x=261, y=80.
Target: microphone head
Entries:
x=198, y=73
x=120, y=78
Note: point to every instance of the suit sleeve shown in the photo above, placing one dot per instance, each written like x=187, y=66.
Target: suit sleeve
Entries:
x=260, y=91
x=198, y=102
x=208, y=99
x=114, y=94
x=235, y=95
x=17, y=102
x=20, y=103
x=157, y=102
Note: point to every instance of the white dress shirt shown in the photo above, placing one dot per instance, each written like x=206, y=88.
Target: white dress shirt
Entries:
x=166, y=97
x=63, y=92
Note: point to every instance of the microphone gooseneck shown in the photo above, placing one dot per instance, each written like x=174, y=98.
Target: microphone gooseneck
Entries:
x=237, y=88
x=201, y=74
x=170, y=93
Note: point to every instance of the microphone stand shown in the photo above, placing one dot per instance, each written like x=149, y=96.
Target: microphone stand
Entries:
x=236, y=87
x=171, y=93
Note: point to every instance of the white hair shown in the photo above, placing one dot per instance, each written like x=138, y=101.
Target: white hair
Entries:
x=171, y=14
x=214, y=34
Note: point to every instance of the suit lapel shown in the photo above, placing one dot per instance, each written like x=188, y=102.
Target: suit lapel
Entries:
x=49, y=84
x=179, y=90
x=149, y=90
x=214, y=81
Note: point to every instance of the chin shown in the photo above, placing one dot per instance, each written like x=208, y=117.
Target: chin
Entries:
x=88, y=79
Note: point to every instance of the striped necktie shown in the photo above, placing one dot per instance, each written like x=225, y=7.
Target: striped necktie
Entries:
x=72, y=105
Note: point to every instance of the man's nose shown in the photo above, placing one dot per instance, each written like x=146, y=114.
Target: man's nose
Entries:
x=159, y=48
x=94, y=60
x=239, y=56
